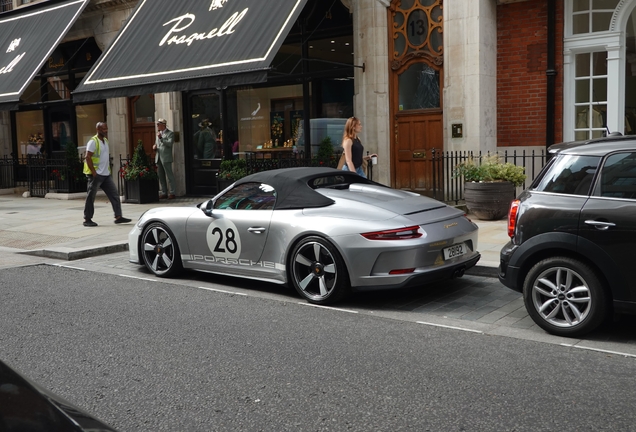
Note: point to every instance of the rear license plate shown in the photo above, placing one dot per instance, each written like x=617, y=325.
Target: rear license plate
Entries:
x=455, y=250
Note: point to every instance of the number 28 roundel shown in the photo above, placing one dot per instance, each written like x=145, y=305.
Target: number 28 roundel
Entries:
x=223, y=239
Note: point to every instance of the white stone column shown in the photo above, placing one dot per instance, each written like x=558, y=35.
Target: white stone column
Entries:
x=169, y=107
x=371, y=95
x=118, y=132
x=470, y=74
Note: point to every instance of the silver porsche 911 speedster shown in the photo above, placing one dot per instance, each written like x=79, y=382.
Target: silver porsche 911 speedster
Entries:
x=324, y=231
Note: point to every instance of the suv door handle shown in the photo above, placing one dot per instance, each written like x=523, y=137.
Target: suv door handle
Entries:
x=256, y=230
x=602, y=226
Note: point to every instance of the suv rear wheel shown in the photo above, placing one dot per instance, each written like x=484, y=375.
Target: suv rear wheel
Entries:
x=565, y=297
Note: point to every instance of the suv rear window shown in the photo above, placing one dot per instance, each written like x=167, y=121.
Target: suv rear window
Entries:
x=569, y=174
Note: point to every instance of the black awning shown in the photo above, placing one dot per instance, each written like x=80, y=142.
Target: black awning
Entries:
x=27, y=38
x=191, y=44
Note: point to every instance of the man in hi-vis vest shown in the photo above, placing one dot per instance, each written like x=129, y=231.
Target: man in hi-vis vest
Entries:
x=97, y=170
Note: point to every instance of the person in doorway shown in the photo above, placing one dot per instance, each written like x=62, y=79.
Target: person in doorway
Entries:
x=97, y=170
x=206, y=140
x=353, y=149
x=163, y=159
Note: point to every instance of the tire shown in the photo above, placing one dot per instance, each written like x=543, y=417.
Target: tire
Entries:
x=318, y=272
x=160, y=251
x=565, y=297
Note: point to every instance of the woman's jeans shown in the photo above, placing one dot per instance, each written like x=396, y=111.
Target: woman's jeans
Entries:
x=359, y=170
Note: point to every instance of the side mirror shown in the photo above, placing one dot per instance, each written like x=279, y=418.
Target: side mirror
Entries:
x=207, y=207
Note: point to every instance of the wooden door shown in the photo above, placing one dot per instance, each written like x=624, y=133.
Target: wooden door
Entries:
x=415, y=136
x=142, y=123
x=416, y=83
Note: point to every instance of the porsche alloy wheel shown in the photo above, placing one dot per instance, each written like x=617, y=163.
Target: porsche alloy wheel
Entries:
x=160, y=250
x=565, y=297
x=318, y=271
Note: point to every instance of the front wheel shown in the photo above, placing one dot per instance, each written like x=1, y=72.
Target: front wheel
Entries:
x=160, y=251
x=318, y=271
x=565, y=297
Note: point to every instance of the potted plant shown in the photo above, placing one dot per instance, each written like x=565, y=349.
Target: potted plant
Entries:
x=230, y=171
x=141, y=183
x=325, y=156
x=489, y=185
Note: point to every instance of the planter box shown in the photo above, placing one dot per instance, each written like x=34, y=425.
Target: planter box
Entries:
x=141, y=191
x=489, y=200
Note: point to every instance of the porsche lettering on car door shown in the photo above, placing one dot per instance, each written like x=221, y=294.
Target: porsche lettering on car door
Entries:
x=234, y=233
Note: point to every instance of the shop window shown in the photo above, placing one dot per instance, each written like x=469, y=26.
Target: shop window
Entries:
x=589, y=16
x=30, y=132
x=330, y=53
x=58, y=88
x=590, y=95
x=87, y=117
x=269, y=117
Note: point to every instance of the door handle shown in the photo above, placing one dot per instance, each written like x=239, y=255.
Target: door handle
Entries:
x=256, y=230
x=601, y=226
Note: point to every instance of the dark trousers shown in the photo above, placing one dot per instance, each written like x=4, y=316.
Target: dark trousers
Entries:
x=107, y=184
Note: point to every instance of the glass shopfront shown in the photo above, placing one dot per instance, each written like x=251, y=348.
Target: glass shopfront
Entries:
x=310, y=87
x=47, y=119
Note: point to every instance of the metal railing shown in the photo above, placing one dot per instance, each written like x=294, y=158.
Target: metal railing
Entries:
x=450, y=189
x=41, y=175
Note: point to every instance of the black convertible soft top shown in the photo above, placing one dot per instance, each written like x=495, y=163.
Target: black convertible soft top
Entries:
x=295, y=187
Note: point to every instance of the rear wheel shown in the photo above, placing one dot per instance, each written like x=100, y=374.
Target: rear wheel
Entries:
x=565, y=297
x=160, y=251
x=318, y=271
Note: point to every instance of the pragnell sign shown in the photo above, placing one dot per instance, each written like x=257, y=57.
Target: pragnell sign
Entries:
x=181, y=23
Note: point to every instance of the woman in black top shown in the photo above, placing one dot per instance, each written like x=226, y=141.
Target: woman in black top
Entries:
x=353, y=149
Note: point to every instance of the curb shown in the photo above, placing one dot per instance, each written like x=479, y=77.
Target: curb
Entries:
x=68, y=254
x=484, y=271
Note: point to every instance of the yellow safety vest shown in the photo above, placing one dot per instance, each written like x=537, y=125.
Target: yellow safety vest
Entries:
x=95, y=158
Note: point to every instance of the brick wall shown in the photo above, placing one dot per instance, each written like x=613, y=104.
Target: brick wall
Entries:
x=522, y=55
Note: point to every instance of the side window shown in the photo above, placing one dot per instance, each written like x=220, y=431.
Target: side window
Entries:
x=618, y=177
x=570, y=175
x=247, y=196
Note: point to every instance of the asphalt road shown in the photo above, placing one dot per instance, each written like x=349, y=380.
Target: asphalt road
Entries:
x=144, y=356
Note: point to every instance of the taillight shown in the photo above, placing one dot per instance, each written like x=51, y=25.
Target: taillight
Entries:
x=512, y=217
x=395, y=234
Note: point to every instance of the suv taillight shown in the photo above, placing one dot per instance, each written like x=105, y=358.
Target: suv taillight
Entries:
x=512, y=217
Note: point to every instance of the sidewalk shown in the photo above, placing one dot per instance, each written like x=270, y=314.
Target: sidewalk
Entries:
x=52, y=228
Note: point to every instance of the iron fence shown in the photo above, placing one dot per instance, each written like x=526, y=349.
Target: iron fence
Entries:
x=7, y=173
x=449, y=188
x=42, y=175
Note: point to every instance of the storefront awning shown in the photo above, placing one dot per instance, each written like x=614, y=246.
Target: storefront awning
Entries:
x=27, y=38
x=191, y=44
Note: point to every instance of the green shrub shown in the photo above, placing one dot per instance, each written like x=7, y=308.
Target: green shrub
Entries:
x=233, y=169
x=490, y=168
x=140, y=167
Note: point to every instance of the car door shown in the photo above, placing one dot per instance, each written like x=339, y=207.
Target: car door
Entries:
x=230, y=235
x=608, y=218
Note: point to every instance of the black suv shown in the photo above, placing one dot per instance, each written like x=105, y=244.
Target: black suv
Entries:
x=573, y=237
